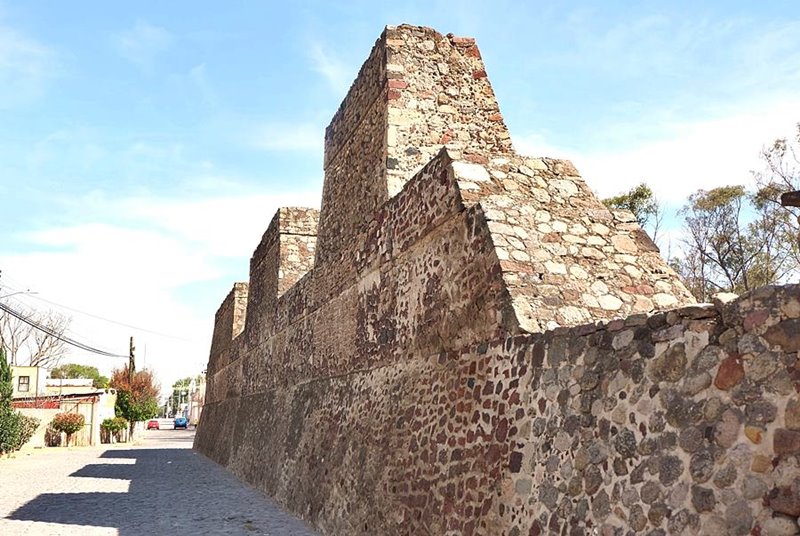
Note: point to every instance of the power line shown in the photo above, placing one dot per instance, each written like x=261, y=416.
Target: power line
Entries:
x=14, y=281
x=98, y=317
x=34, y=324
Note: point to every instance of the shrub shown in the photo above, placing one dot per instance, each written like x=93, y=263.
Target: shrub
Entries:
x=52, y=438
x=69, y=423
x=10, y=421
x=28, y=427
x=113, y=427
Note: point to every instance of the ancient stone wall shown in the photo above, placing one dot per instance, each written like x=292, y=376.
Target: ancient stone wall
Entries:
x=425, y=279
x=681, y=421
x=685, y=421
x=567, y=259
x=472, y=342
x=417, y=92
x=228, y=324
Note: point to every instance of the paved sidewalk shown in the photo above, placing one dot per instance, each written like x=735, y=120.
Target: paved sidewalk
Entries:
x=158, y=487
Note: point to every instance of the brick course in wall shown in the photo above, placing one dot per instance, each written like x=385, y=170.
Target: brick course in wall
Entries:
x=466, y=341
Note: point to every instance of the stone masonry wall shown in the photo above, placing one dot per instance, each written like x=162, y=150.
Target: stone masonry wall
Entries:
x=417, y=91
x=430, y=251
x=684, y=422
x=284, y=255
x=228, y=324
x=466, y=341
x=566, y=258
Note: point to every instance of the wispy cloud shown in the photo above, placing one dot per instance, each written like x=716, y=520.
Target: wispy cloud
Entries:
x=132, y=260
x=723, y=57
x=682, y=156
x=87, y=155
x=288, y=137
x=771, y=58
x=220, y=225
x=333, y=69
x=694, y=100
x=164, y=151
x=649, y=44
x=537, y=144
x=199, y=77
x=142, y=44
x=26, y=66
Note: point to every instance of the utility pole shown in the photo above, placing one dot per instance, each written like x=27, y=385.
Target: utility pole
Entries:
x=131, y=363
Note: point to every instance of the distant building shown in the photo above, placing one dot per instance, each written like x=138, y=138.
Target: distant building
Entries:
x=36, y=395
x=28, y=381
x=65, y=386
x=196, y=399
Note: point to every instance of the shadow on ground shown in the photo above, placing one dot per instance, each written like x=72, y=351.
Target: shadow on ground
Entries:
x=172, y=491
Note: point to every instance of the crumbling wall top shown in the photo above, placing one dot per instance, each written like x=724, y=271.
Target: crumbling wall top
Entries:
x=417, y=92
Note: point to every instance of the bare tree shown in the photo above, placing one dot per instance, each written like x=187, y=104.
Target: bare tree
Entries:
x=780, y=174
x=781, y=170
x=644, y=205
x=14, y=334
x=27, y=345
x=725, y=252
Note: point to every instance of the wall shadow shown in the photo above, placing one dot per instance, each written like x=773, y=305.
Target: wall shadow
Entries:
x=127, y=454
x=107, y=470
x=172, y=491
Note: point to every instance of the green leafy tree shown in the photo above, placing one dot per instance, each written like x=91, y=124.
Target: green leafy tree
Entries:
x=134, y=410
x=180, y=394
x=74, y=370
x=642, y=202
x=28, y=427
x=68, y=423
x=731, y=244
x=114, y=426
x=137, y=395
x=779, y=174
x=10, y=420
x=6, y=385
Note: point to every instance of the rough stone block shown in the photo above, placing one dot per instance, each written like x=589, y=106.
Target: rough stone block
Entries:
x=453, y=353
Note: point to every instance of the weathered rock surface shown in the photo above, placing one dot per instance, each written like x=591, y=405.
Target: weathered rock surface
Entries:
x=464, y=340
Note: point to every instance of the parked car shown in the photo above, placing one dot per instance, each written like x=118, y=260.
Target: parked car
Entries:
x=181, y=422
x=152, y=425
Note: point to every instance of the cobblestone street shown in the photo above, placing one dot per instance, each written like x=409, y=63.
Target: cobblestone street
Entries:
x=158, y=487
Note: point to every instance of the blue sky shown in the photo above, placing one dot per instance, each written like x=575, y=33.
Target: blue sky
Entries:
x=144, y=148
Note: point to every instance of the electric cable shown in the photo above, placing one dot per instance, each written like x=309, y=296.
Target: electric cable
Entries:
x=26, y=294
x=98, y=317
x=52, y=333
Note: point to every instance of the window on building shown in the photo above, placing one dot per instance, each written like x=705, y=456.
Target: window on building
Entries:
x=24, y=384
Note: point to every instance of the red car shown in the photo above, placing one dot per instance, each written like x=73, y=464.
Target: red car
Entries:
x=152, y=425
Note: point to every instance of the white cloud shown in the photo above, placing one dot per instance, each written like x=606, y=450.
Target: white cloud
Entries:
x=771, y=57
x=536, y=144
x=169, y=151
x=289, y=137
x=335, y=71
x=142, y=44
x=681, y=157
x=25, y=67
x=123, y=274
x=223, y=226
x=199, y=77
x=131, y=260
